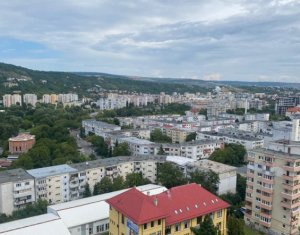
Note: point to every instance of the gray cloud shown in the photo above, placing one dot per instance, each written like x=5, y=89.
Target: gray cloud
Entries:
x=235, y=39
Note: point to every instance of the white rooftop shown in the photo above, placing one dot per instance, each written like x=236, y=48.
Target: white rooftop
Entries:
x=181, y=161
x=47, y=224
x=87, y=210
x=51, y=170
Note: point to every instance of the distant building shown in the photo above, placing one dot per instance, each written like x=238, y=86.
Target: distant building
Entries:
x=98, y=128
x=174, y=211
x=284, y=103
x=30, y=99
x=21, y=143
x=9, y=100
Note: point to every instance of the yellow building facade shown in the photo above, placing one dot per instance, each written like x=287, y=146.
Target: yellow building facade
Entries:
x=178, y=221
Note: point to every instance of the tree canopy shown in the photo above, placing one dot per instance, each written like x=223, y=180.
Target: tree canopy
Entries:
x=232, y=154
x=208, y=180
x=169, y=175
x=157, y=136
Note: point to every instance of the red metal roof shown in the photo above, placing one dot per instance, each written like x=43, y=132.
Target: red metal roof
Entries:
x=294, y=109
x=177, y=204
x=136, y=206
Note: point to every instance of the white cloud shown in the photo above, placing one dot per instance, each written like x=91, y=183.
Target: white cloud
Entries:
x=240, y=39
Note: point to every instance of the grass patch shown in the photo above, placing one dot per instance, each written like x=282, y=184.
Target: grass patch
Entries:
x=249, y=231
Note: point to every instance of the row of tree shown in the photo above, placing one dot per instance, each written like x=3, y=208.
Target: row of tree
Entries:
x=107, y=185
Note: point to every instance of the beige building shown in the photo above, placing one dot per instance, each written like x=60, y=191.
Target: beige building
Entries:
x=273, y=190
x=177, y=135
x=16, y=190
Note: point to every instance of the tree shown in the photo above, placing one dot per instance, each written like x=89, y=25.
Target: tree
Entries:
x=208, y=180
x=191, y=136
x=24, y=161
x=157, y=136
x=169, y=175
x=121, y=150
x=235, y=226
x=118, y=183
x=136, y=179
x=161, y=151
x=241, y=186
x=206, y=227
x=104, y=186
x=232, y=154
x=87, y=191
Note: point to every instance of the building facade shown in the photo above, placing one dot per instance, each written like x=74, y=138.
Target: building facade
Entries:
x=21, y=143
x=174, y=211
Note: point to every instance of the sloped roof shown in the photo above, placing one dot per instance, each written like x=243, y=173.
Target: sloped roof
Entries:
x=177, y=204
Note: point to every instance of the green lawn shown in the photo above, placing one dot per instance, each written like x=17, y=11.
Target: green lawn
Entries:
x=249, y=231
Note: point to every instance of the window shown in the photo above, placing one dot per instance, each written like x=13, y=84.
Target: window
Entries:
x=152, y=224
x=219, y=214
x=159, y=222
x=186, y=224
x=145, y=226
x=122, y=219
x=199, y=219
x=177, y=227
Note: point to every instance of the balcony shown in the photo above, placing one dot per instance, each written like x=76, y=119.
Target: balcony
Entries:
x=248, y=190
x=266, y=224
x=247, y=206
x=291, y=168
x=290, y=196
x=267, y=181
x=266, y=215
x=265, y=206
x=250, y=174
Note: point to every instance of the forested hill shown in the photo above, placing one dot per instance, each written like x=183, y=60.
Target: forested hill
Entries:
x=15, y=78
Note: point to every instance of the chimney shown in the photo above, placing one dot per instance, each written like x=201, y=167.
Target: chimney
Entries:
x=155, y=201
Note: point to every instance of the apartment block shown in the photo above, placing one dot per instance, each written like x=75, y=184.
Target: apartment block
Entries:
x=273, y=189
x=55, y=184
x=16, y=190
x=9, y=100
x=98, y=128
x=30, y=99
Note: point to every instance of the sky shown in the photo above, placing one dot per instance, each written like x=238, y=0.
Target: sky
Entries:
x=240, y=40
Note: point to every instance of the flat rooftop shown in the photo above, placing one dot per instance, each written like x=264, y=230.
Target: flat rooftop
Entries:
x=51, y=170
x=14, y=175
x=135, y=140
x=99, y=123
x=212, y=165
x=47, y=224
x=233, y=136
x=275, y=153
x=116, y=160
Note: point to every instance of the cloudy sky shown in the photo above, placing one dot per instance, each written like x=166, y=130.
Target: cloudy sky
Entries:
x=247, y=40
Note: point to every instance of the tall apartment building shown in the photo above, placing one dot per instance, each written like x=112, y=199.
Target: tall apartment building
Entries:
x=284, y=103
x=30, y=99
x=16, y=190
x=273, y=188
x=9, y=100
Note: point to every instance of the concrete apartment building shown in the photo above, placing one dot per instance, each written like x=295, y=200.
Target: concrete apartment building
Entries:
x=98, y=128
x=249, y=142
x=196, y=150
x=273, y=189
x=21, y=143
x=177, y=135
x=226, y=173
x=16, y=190
x=55, y=183
x=30, y=99
x=9, y=100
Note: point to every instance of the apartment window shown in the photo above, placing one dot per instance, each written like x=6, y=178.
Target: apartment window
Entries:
x=152, y=224
x=199, y=219
x=122, y=219
x=27, y=183
x=145, y=226
x=159, y=222
x=219, y=214
x=177, y=227
x=90, y=230
x=186, y=224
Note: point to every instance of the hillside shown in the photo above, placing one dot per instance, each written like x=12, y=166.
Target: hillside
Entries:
x=15, y=78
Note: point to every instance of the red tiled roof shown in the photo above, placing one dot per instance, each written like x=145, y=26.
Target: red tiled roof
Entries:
x=136, y=206
x=188, y=201
x=177, y=204
x=294, y=109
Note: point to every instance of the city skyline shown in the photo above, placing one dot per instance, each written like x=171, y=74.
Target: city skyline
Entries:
x=215, y=40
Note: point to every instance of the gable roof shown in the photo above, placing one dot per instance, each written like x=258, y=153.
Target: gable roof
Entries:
x=175, y=205
x=137, y=206
x=188, y=201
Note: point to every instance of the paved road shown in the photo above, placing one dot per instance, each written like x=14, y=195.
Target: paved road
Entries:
x=84, y=146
